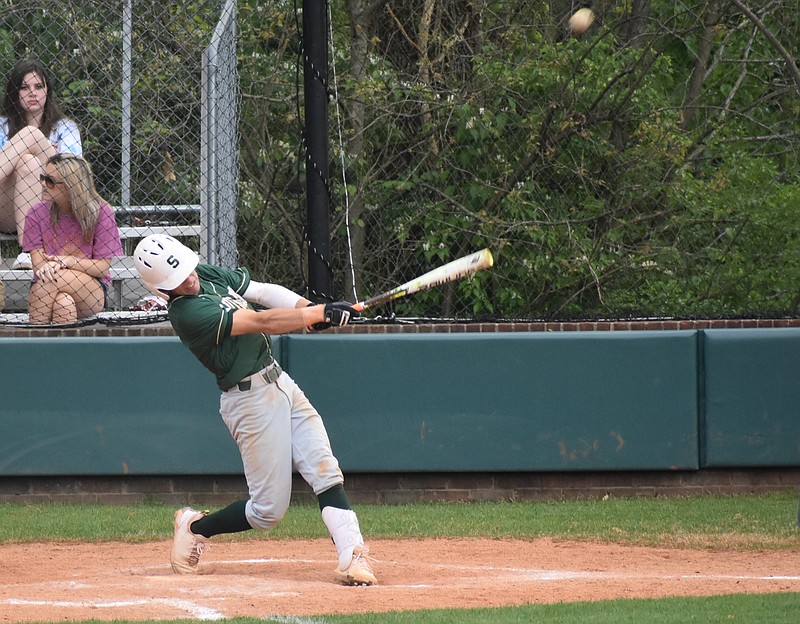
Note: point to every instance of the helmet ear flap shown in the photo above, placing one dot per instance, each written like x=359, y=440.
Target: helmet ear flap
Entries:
x=158, y=292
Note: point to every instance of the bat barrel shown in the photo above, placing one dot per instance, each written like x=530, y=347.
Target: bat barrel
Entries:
x=456, y=269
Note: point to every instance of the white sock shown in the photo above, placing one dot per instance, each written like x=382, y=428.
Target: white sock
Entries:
x=343, y=526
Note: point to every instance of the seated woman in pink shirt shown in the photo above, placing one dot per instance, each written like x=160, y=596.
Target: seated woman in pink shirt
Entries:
x=72, y=237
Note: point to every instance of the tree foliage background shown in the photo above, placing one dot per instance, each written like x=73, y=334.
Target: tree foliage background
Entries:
x=648, y=167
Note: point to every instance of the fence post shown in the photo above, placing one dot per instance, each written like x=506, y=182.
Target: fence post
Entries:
x=219, y=143
x=315, y=79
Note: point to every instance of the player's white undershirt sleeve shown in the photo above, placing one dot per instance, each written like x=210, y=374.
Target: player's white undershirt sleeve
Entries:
x=271, y=295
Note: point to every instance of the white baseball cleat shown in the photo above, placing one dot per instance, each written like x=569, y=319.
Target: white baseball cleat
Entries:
x=359, y=571
x=186, y=546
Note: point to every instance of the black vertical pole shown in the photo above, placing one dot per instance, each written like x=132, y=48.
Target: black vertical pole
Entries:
x=315, y=82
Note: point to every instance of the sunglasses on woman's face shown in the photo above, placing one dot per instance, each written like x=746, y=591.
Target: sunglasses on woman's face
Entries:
x=49, y=181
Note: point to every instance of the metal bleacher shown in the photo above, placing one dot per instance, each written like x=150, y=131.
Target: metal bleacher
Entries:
x=126, y=287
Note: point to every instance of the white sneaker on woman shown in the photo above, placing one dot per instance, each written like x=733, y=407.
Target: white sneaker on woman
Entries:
x=23, y=261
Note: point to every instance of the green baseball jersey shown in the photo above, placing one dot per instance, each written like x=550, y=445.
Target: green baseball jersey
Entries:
x=203, y=323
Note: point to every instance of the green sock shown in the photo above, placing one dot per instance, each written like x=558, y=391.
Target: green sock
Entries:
x=230, y=519
x=334, y=497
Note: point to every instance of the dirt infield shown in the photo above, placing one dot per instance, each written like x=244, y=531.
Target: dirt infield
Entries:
x=260, y=578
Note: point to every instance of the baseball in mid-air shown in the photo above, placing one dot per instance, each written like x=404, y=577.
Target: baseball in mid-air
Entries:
x=581, y=20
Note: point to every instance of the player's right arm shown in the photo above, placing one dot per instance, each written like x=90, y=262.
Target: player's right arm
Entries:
x=273, y=296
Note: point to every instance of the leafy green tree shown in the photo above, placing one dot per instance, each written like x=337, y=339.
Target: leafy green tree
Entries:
x=616, y=173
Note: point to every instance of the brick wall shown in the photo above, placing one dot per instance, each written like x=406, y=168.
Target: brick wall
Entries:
x=164, y=328
x=394, y=488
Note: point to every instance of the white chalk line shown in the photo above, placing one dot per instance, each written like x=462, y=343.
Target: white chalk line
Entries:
x=539, y=574
x=200, y=612
x=194, y=610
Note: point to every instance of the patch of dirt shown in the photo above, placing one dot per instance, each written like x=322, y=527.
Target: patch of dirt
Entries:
x=260, y=578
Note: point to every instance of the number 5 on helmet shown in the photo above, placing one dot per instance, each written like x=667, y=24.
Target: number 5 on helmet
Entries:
x=163, y=263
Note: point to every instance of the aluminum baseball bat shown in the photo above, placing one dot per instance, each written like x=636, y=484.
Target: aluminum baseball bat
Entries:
x=454, y=270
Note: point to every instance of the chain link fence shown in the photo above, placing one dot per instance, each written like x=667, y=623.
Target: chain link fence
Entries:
x=153, y=89
x=647, y=167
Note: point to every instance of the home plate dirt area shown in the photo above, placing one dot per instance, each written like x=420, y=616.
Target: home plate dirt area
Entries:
x=262, y=578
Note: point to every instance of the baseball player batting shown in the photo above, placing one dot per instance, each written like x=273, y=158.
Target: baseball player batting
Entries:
x=274, y=425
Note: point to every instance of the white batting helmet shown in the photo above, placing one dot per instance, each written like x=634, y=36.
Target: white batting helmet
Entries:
x=164, y=262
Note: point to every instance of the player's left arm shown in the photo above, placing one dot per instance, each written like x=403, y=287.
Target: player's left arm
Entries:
x=283, y=320
x=275, y=320
x=287, y=311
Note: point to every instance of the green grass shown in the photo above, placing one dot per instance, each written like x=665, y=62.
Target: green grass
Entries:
x=750, y=609
x=765, y=521
x=751, y=522
x=774, y=608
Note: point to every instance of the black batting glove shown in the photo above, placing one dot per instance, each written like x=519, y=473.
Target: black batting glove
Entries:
x=318, y=326
x=340, y=313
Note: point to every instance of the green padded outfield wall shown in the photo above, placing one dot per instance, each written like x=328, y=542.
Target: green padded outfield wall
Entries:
x=563, y=401
x=424, y=402
x=752, y=397
x=83, y=406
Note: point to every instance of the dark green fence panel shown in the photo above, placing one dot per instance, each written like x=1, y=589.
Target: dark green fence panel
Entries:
x=424, y=402
x=443, y=402
x=83, y=406
x=752, y=396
